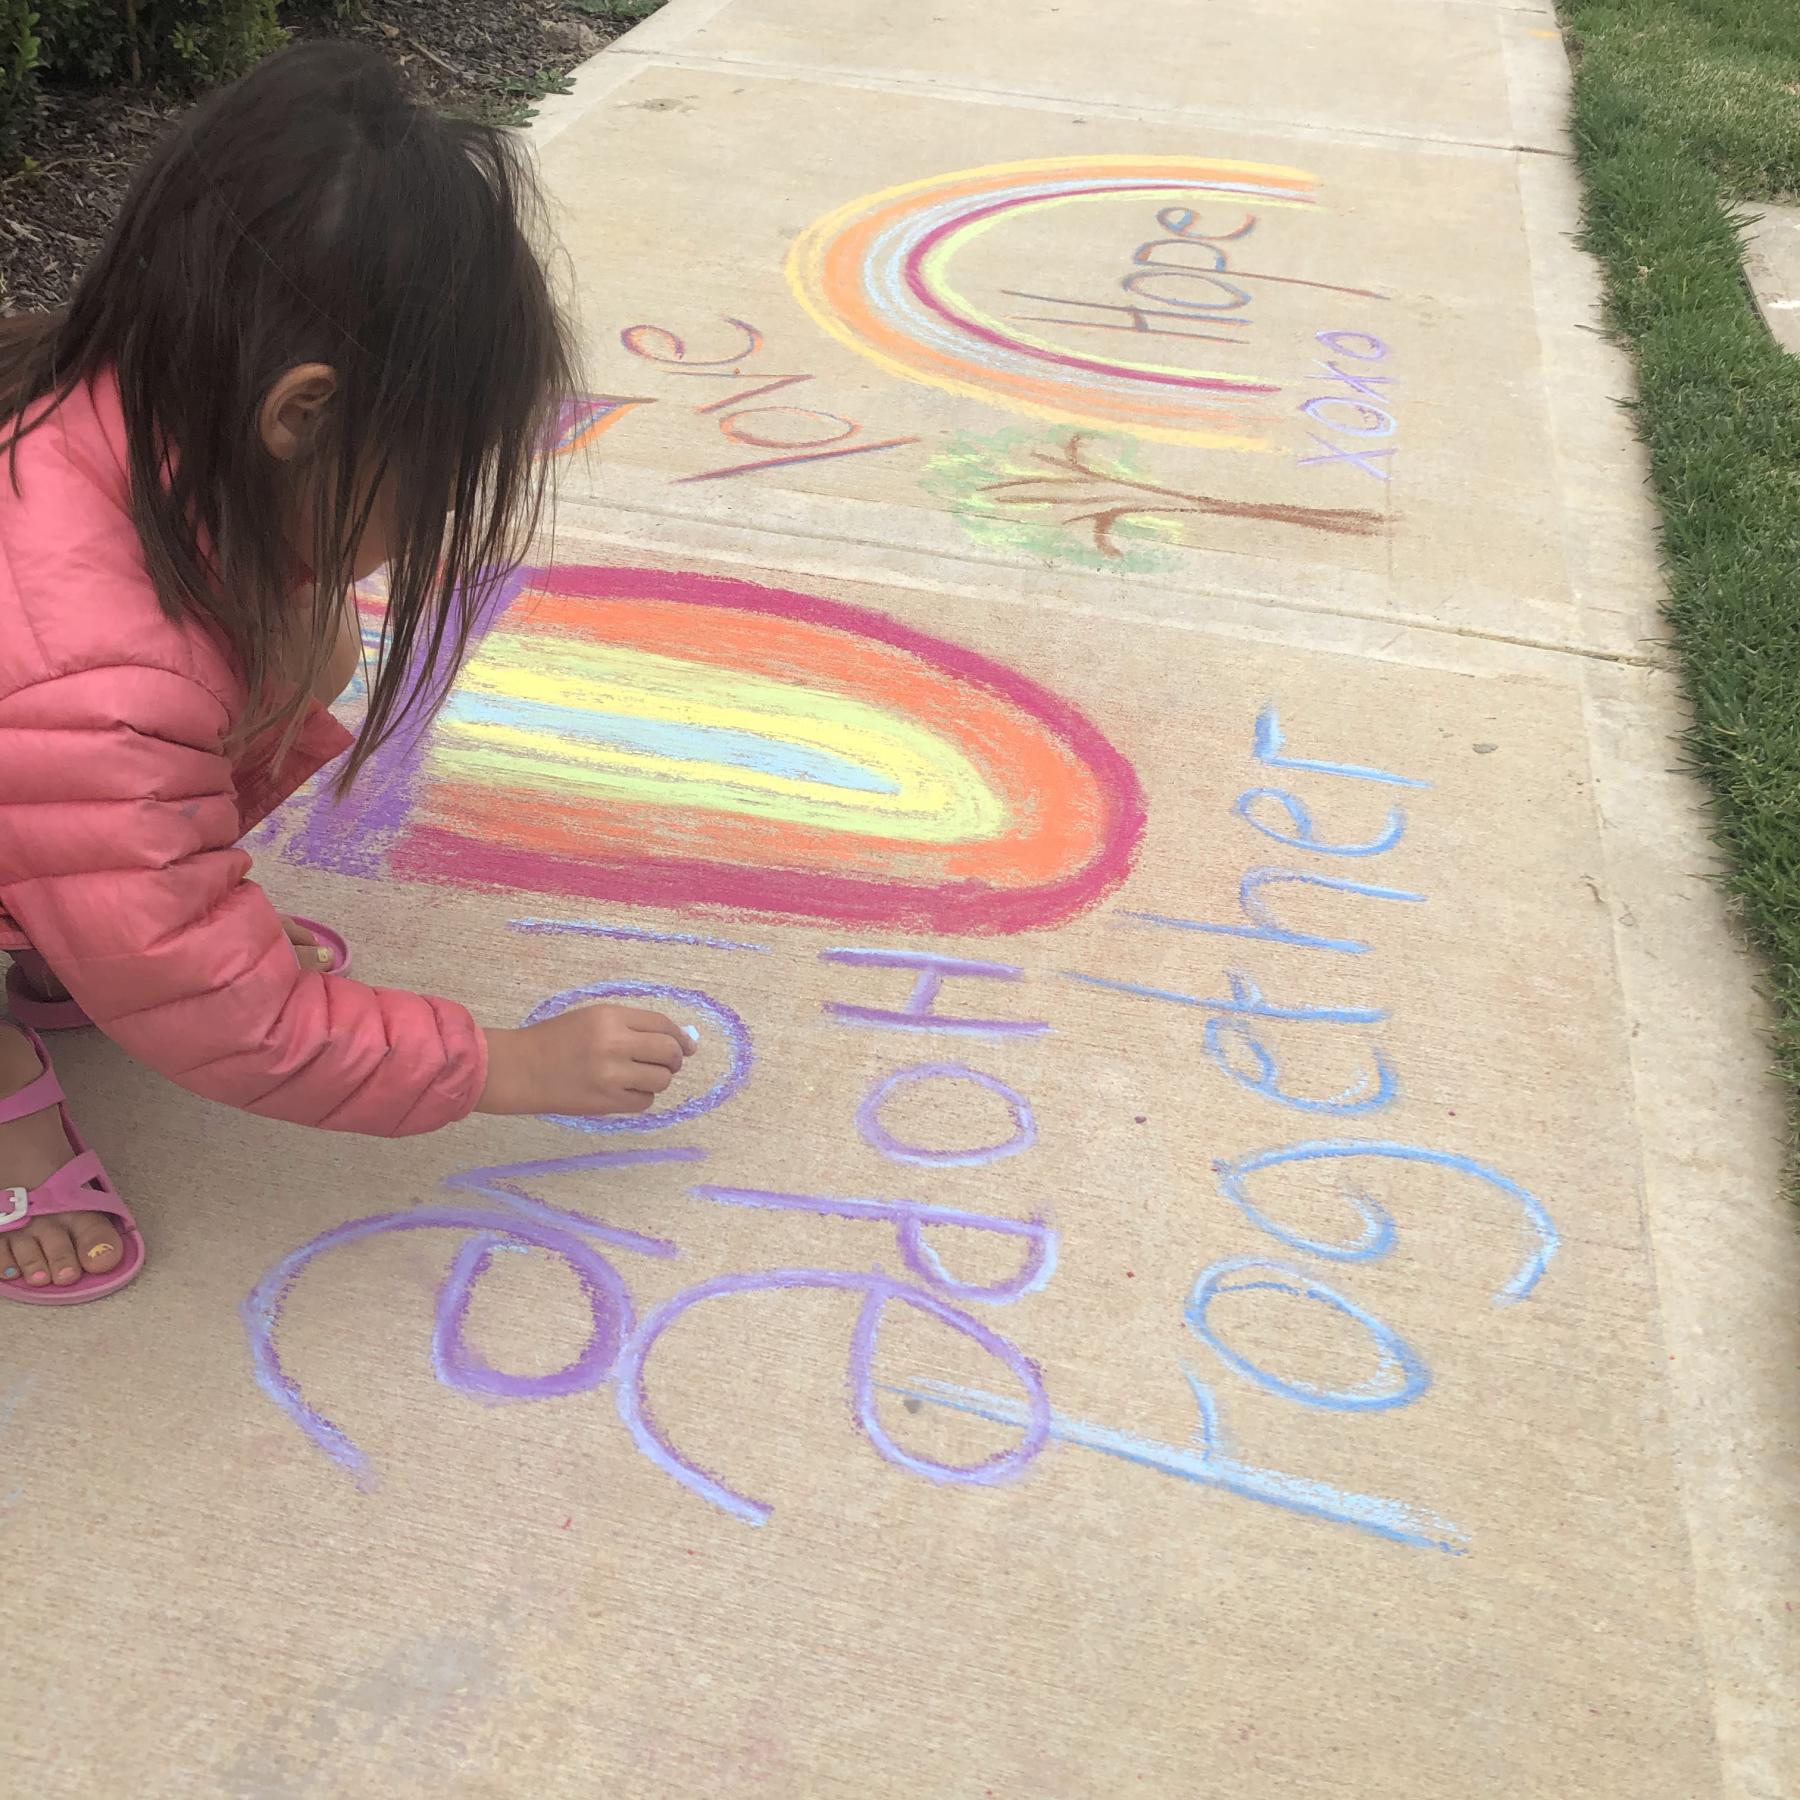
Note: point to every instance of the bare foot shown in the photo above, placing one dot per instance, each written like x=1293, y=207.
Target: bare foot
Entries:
x=57, y=1249
x=308, y=951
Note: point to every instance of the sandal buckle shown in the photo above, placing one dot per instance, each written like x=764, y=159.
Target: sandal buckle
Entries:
x=18, y=1205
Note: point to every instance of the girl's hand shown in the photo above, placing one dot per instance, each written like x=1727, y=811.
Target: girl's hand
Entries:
x=587, y=1061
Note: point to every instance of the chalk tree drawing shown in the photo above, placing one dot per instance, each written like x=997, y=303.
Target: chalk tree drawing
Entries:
x=981, y=479
x=1076, y=497
x=671, y=739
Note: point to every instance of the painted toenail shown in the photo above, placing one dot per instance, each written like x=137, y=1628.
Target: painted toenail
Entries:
x=96, y=1251
x=10, y=1275
x=38, y=1278
x=65, y=1276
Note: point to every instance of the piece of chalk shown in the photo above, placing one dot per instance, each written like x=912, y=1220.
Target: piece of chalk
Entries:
x=690, y=1037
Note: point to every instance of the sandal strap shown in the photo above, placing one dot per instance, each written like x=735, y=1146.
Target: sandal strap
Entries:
x=34, y=1096
x=71, y=1189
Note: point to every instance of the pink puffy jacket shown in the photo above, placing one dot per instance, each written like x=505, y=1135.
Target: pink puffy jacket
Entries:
x=120, y=810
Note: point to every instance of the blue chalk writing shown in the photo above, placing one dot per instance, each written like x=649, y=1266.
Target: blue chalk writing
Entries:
x=1303, y=836
x=1378, y=1224
x=1384, y=420
x=1529, y=1272
x=1360, y=459
x=1399, y=1380
x=1246, y=998
x=1357, y=384
x=1267, y=1079
x=1209, y=1464
x=1361, y=418
x=1265, y=927
x=1267, y=749
x=1341, y=342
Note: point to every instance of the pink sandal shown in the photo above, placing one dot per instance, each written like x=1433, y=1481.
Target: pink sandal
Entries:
x=34, y=1014
x=80, y=1185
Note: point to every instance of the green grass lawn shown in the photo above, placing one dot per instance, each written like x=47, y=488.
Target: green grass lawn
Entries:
x=1687, y=112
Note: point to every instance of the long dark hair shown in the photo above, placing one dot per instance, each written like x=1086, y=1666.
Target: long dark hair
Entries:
x=311, y=213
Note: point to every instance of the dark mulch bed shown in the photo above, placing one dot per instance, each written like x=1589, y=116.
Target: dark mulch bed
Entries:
x=53, y=214
x=489, y=58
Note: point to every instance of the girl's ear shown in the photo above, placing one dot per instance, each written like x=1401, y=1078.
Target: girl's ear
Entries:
x=291, y=409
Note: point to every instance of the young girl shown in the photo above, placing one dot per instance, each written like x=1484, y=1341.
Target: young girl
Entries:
x=317, y=342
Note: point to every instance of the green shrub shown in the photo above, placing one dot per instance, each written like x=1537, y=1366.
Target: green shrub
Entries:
x=200, y=43
x=18, y=59
x=180, y=45
x=80, y=40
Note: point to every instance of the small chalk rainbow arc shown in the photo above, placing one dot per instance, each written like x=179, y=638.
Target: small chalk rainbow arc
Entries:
x=679, y=740
x=878, y=275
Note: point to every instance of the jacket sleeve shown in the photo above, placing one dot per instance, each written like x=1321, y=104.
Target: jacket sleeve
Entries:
x=118, y=831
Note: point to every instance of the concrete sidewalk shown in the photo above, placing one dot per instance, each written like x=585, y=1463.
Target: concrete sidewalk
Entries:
x=1102, y=644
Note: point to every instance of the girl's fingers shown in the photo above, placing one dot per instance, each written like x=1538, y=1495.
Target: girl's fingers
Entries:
x=656, y=1051
x=640, y=1020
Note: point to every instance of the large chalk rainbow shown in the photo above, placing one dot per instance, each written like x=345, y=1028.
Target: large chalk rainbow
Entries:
x=679, y=740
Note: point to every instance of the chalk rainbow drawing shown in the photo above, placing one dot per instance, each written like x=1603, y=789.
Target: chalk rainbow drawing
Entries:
x=879, y=276
x=671, y=739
